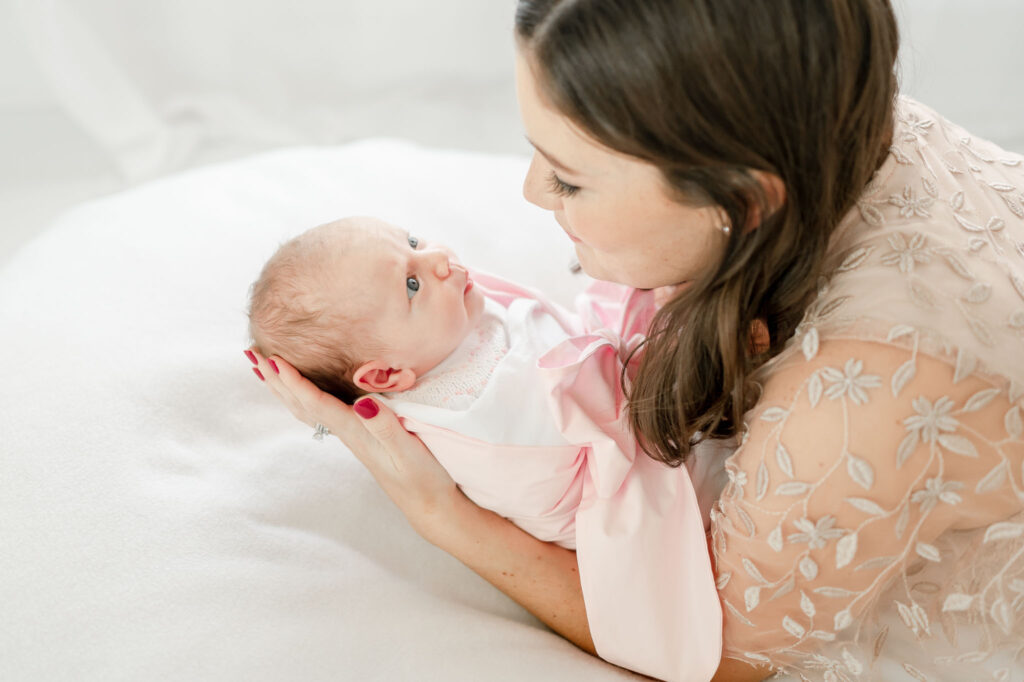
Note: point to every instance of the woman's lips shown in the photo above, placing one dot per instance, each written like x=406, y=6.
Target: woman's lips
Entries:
x=558, y=219
x=469, y=285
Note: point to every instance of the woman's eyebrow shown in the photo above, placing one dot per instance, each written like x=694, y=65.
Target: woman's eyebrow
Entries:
x=552, y=160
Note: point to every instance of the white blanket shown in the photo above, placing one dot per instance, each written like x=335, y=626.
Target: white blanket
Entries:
x=163, y=517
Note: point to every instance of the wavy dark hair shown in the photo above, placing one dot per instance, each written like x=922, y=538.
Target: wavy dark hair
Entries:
x=710, y=91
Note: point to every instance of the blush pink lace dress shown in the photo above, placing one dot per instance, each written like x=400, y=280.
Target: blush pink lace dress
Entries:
x=873, y=524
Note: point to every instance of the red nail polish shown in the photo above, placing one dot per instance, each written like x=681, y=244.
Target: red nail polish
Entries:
x=258, y=373
x=367, y=409
x=252, y=357
x=273, y=366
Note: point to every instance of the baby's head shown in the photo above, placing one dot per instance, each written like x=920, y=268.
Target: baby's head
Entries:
x=360, y=306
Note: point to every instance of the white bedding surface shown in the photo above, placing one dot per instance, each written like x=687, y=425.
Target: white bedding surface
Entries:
x=163, y=517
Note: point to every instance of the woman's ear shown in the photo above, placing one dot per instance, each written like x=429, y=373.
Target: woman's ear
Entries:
x=774, y=193
x=376, y=376
x=774, y=189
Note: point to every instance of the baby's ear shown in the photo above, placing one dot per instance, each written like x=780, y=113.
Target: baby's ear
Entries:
x=378, y=377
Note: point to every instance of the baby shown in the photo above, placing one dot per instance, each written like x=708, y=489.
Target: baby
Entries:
x=520, y=400
x=360, y=306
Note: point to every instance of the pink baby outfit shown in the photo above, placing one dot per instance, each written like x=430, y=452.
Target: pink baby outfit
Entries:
x=543, y=441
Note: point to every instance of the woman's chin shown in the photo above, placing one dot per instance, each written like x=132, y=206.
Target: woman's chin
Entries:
x=635, y=280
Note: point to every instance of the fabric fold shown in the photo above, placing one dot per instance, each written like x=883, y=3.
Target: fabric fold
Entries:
x=646, y=574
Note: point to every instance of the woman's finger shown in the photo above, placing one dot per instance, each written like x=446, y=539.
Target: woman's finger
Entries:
x=404, y=467
x=268, y=370
x=399, y=461
x=318, y=406
x=383, y=426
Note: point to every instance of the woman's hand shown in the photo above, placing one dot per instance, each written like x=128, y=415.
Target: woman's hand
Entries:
x=541, y=576
x=398, y=460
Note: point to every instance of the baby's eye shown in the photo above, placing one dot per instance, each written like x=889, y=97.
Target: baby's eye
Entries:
x=413, y=241
x=412, y=285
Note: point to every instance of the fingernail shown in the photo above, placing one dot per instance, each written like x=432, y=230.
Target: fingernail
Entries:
x=258, y=373
x=367, y=409
x=252, y=357
x=273, y=366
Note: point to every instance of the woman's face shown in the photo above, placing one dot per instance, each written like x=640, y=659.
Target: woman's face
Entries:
x=615, y=208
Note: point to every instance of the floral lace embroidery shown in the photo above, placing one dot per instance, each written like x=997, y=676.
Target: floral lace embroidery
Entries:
x=873, y=525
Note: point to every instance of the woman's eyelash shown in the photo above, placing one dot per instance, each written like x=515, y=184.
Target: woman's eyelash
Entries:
x=562, y=189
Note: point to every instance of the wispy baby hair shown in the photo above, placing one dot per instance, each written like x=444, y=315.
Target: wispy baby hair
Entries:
x=295, y=312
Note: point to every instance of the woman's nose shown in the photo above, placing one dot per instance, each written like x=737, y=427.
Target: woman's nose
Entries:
x=534, y=189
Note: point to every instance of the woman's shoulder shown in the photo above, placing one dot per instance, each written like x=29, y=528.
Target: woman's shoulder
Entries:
x=931, y=259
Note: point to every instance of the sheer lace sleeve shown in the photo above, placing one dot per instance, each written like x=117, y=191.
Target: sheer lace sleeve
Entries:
x=872, y=506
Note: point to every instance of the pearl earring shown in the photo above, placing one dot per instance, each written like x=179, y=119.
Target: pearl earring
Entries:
x=726, y=229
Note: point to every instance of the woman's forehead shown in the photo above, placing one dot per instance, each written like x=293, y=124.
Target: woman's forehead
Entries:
x=557, y=137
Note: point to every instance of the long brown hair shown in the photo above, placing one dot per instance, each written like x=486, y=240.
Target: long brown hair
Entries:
x=709, y=91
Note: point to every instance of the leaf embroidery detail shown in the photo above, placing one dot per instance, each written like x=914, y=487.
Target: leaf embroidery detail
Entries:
x=980, y=400
x=762, y=482
x=846, y=548
x=1003, y=531
x=774, y=414
x=898, y=331
x=902, y=376
x=957, y=601
x=752, y=597
x=929, y=552
x=855, y=259
x=808, y=568
x=792, y=627
x=809, y=344
x=806, y=605
x=992, y=480
x=1013, y=422
x=867, y=506
x=783, y=459
x=814, y=389
x=978, y=293
x=860, y=471
x=792, y=488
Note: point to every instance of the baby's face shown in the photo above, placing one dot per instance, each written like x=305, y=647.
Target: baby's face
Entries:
x=418, y=300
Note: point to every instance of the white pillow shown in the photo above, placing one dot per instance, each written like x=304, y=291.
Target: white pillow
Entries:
x=164, y=518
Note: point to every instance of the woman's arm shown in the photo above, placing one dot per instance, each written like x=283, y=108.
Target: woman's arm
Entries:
x=852, y=470
x=540, y=576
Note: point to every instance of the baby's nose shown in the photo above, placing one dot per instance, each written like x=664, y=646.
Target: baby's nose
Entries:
x=442, y=264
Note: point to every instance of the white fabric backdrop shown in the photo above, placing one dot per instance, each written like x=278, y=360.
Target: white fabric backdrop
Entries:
x=157, y=84
x=163, y=85
x=163, y=517
x=99, y=94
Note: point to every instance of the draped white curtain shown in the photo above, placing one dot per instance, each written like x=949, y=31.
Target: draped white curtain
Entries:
x=162, y=84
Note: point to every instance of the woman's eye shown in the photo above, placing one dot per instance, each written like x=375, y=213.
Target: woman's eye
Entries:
x=412, y=285
x=413, y=241
x=561, y=188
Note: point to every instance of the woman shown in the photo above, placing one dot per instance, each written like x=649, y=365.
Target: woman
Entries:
x=753, y=159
